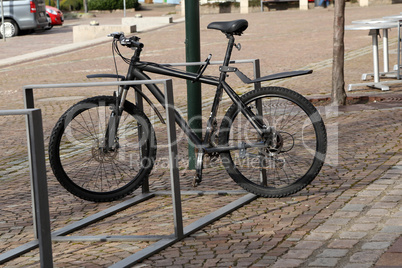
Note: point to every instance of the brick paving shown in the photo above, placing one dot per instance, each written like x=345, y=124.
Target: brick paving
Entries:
x=350, y=215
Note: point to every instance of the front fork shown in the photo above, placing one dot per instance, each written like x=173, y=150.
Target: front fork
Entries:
x=111, y=142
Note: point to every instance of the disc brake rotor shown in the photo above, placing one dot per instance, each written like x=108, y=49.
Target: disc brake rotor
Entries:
x=101, y=155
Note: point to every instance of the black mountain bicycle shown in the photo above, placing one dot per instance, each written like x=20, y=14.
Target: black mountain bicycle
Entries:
x=272, y=141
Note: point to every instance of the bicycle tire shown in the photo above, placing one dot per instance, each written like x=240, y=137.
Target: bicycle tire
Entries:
x=300, y=149
x=87, y=171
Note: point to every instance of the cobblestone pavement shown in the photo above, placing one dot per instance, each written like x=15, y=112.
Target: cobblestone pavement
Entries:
x=350, y=215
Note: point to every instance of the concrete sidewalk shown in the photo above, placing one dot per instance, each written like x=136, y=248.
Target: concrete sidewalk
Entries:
x=350, y=216
x=42, y=44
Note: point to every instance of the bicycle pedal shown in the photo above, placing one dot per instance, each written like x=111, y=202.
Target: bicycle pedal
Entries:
x=196, y=181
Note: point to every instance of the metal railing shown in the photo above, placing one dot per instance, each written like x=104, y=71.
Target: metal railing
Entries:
x=40, y=201
x=40, y=195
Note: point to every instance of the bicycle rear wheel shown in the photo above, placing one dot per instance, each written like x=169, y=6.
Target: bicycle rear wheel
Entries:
x=295, y=157
x=80, y=161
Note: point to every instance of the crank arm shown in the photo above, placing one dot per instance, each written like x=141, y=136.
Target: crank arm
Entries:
x=222, y=149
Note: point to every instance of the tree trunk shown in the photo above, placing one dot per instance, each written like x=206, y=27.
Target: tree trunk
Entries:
x=338, y=93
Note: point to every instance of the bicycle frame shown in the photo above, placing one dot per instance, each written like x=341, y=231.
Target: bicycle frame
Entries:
x=136, y=71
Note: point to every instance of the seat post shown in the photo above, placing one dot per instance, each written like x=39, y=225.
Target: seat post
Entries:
x=229, y=49
x=227, y=56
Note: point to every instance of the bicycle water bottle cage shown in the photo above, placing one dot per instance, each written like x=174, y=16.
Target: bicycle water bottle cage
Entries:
x=235, y=27
x=202, y=68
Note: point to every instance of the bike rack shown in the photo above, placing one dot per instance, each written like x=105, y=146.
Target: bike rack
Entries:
x=163, y=242
x=40, y=202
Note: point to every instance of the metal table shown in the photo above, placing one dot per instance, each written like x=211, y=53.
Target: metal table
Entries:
x=386, y=72
x=374, y=30
x=398, y=19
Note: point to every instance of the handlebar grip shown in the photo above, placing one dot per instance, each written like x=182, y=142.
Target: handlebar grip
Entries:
x=127, y=41
x=137, y=44
x=131, y=43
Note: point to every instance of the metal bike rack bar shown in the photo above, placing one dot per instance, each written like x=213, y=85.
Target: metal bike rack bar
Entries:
x=40, y=202
x=180, y=231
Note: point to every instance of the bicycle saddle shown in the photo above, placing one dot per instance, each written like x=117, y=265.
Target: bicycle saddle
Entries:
x=229, y=27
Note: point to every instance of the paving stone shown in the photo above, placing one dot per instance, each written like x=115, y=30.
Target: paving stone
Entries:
x=378, y=212
x=343, y=243
x=369, y=256
x=352, y=235
x=376, y=245
x=384, y=237
x=357, y=265
x=391, y=198
x=384, y=205
x=395, y=192
x=343, y=214
x=287, y=263
x=363, y=227
x=337, y=221
x=319, y=236
x=333, y=253
x=312, y=245
x=299, y=254
x=370, y=193
x=392, y=229
x=394, y=222
x=324, y=262
x=328, y=228
x=353, y=207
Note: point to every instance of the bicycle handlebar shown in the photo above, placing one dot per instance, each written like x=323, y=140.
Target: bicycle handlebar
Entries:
x=127, y=41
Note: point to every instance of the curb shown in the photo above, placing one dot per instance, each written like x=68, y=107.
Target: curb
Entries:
x=51, y=52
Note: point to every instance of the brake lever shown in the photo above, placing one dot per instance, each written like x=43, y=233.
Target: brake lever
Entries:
x=115, y=35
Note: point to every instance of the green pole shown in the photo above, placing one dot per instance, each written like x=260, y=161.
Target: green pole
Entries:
x=192, y=21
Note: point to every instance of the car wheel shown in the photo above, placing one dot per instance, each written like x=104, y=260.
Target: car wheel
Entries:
x=49, y=22
x=9, y=28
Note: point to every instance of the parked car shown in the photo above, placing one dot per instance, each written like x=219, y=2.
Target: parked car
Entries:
x=22, y=15
x=55, y=15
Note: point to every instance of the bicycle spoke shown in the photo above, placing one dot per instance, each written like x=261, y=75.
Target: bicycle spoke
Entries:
x=86, y=162
x=288, y=156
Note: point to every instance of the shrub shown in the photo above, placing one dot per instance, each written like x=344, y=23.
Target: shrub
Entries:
x=70, y=5
x=111, y=4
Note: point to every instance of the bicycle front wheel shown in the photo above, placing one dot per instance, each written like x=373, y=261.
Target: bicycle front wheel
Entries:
x=286, y=163
x=85, y=166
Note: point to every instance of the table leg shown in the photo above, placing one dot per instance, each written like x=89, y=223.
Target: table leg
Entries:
x=385, y=50
x=374, y=34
